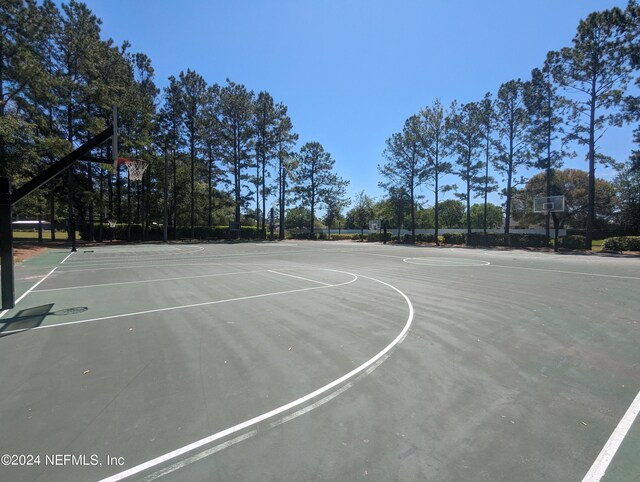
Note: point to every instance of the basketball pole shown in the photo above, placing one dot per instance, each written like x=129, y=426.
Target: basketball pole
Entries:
x=8, y=198
x=6, y=245
x=165, y=218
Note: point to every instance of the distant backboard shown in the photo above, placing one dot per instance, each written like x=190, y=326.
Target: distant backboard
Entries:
x=548, y=204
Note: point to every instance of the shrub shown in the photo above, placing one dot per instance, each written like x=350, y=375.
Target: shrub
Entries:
x=622, y=243
x=377, y=237
x=491, y=239
x=339, y=237
x=573, y=241
x=528, y=240
x=454, y=238
x=426, y=238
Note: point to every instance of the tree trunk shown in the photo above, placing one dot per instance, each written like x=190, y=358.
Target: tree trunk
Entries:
x=591, y=211
x=281, y=200
x=210, y=188
x=193, y=187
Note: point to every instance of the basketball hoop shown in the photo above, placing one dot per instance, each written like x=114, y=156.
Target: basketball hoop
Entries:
x=135, y=167
x=112, y=223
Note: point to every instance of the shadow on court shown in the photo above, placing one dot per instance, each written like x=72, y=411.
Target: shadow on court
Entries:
x=30, y=318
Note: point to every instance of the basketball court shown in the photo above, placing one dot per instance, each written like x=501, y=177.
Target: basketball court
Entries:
x=320, y=361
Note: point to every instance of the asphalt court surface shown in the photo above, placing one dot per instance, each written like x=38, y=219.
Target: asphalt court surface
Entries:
x=318, y=361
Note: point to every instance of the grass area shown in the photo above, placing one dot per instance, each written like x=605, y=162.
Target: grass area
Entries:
x=46, y=235
x=596, y=245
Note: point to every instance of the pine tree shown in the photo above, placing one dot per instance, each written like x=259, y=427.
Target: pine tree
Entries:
x=235, y=116
x=596, y=69
x=513, y=147
x=406, y=167
x=465, y=124
x=437, y=146
x=315, y=180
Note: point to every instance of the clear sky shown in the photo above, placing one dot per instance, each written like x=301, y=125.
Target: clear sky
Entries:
x=352, y=71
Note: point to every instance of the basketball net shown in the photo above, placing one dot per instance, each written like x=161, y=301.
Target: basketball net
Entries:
x=135, y=167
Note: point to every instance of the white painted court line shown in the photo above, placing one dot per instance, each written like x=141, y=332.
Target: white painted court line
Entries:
x=62, y=262
x=102, y=285
x=445, y=262
x=299, y=277
x=27, y=292
x=277, y=411
x=181, y=307
x=79, y=266
x=599, y=275
x=599, y=467
x=241, y=438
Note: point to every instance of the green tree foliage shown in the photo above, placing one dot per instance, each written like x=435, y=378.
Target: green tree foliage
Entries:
x=171, y=129
x=487, y=184
x=394, y=210
x=486, y=216
x=315, y=181
x=298, y=218
x=266, y=122
x=335, y=201
x=406, y=164
x=235, y=121
x=546, y=110
x=597, y=70
x=452, y=213
x=362, y=212
x=437, y=144
x=513, y=149
x=467, y=144
x=286, y=162
x=632, y=103
x=193, y=91
x=627, y=184
x=58, y=81
x=574, y=185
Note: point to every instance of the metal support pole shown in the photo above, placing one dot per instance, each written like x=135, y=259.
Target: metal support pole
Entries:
x=6, y=245
x=165, y=221
x=271, y=225
x=556, y=227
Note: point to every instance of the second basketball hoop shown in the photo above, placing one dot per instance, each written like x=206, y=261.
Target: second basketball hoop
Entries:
x=135, y=167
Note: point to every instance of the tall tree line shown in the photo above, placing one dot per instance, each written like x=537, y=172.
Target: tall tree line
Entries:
x=568, y=102
x=223, y=145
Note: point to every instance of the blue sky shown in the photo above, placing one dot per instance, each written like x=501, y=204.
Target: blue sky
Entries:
x=351, y=72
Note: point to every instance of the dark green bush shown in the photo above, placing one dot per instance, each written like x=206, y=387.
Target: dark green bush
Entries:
x=573, y=241
x=622, y=243
x=528, y=241
x=426, y=238
x=377, y=237
x=339, y=237
x=454, y=238
x=491, y=239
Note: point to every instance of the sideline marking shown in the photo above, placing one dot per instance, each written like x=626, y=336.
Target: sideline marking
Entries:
x=446, y=262
x=609, y=450
x=81, y=287
x=218, y=448
x=29, y=291
x=277, y=411
x=567, y=272
x=299, y=277
x=81, y=266
x=62, y=262
x=181, y=307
